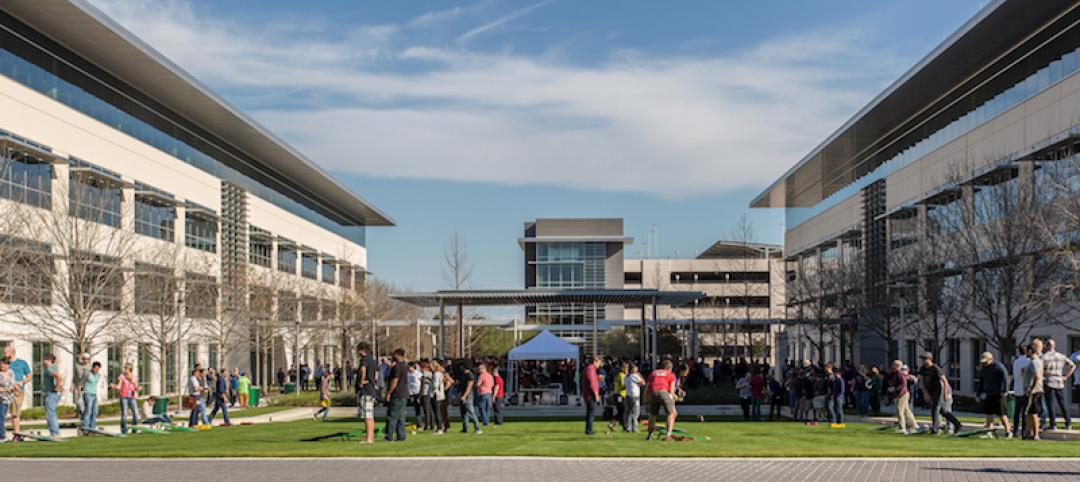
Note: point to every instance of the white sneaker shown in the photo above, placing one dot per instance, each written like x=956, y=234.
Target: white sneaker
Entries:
x=901, y=431
x=479, y=432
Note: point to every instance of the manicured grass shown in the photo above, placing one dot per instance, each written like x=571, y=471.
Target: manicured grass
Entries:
x=249, y=412
x=545, y=438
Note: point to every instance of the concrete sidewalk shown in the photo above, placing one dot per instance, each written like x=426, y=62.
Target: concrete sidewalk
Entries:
x=182, y=419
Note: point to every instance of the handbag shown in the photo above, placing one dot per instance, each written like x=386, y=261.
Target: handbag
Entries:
x=190, y=402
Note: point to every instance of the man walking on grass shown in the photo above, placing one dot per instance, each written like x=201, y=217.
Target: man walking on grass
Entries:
x=898, y=386
x=365, y=389
x=993, y=384
x=936, y=390
x=661, y=387
x=21, y=371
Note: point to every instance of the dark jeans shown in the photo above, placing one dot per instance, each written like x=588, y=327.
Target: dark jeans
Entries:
x=755, y=409
x=862, y=399
x=774, y=407
x=444, y=415
x=1058, y=395
x=937, y=411
x=496, y=406
x=429, y=415
x=591, y=406
x=875, y=402
x=220, y=404
x=395, y=420
x=1019, y=420
x=745, y=404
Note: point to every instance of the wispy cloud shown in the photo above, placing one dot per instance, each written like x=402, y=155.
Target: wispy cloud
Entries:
x=502, y=20
x=376, y=104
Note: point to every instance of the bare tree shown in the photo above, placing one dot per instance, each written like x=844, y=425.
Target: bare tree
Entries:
x=809, y=295
x=1011, y=279
x=87, y=284
x=456, y=272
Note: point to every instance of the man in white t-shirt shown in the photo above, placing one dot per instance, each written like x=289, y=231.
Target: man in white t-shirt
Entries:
x=1020, y=392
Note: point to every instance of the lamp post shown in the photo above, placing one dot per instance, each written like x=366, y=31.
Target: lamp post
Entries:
x=179, y=331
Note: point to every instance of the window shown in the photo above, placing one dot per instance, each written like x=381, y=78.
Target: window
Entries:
x=212, y=350
x=945, y=218
x=954, y=361
x=359, y=278
x=200, y=231
x=97, y=281
x=261, y=303
x=286, y=259
x=309, y=266
x=37, y=371
x=978, y=346
x=192, y=355
x=734, y=301
x=632, y=278
x=25, y=177
x=144, y=367
x=345, y=276
x=201, y=293
x=93, y=197
x=309, y=308
x=998, y=196
x=259, y=247
x=155, y=290
x=28, y=274
x=327, y=310
x=328, y=271
x=286, y=306
x=710, y=277
x=155, y=218
x=912, y=355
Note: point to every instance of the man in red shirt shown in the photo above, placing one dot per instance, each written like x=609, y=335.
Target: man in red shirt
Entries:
x=500, y=393
x=590, y=392
x=661, y=387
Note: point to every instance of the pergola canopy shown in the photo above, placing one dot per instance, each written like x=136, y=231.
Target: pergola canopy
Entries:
x=541, y=296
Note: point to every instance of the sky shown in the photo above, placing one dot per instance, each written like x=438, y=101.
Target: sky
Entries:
x=475, y=116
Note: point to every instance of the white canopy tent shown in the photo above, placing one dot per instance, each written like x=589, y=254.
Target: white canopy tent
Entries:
x=543, y=346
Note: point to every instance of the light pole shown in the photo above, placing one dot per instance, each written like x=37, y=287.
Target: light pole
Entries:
x=179, y=331
x=296, y=356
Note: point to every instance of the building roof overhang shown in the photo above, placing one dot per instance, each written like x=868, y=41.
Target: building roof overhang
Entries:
x=625, y=240
x=995, y=29
x=87, y=31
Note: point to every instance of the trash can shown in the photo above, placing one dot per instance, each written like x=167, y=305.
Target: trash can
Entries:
x=290, y=388
x=253, y=396
x=161, y=405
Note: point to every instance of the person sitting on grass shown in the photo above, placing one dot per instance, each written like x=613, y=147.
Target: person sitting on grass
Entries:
x=661, y=392
x=151, y=417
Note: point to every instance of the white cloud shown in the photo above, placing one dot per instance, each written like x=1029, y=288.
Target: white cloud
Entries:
x=502, y=20
x=669, y=126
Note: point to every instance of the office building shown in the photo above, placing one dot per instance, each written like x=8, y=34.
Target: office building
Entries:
x=217, y=224
x=987, y=111
x=744, y=304
x=573, y=253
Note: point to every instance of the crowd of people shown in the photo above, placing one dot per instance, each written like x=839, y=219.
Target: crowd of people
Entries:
x=612, y=389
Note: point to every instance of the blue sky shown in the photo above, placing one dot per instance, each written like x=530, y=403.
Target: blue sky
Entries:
x=480, y=115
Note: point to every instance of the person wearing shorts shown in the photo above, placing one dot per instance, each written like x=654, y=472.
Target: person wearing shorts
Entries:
x=1033, y=379
x=366, y=379
x=21, y=371
x=661, y=386
x=993, y=385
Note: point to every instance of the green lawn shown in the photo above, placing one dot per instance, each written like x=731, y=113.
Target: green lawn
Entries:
x=545, y=438
x=249, y=412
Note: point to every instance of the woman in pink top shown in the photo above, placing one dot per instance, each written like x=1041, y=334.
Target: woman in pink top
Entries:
x=128, y=386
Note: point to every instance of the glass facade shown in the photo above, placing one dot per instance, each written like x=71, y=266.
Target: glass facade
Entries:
x=328, y=271
x=1005, y=99
x=286, y=259
x=569, y=265
x=154, y=218
x=200, y=232
x=309, y=266
x=64, y=77
x=95, y=199
x=25, y=177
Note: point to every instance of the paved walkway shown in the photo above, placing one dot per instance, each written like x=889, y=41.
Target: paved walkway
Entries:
x=544, y=469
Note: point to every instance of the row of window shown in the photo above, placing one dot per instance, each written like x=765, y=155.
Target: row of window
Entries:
x=1007, y=98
